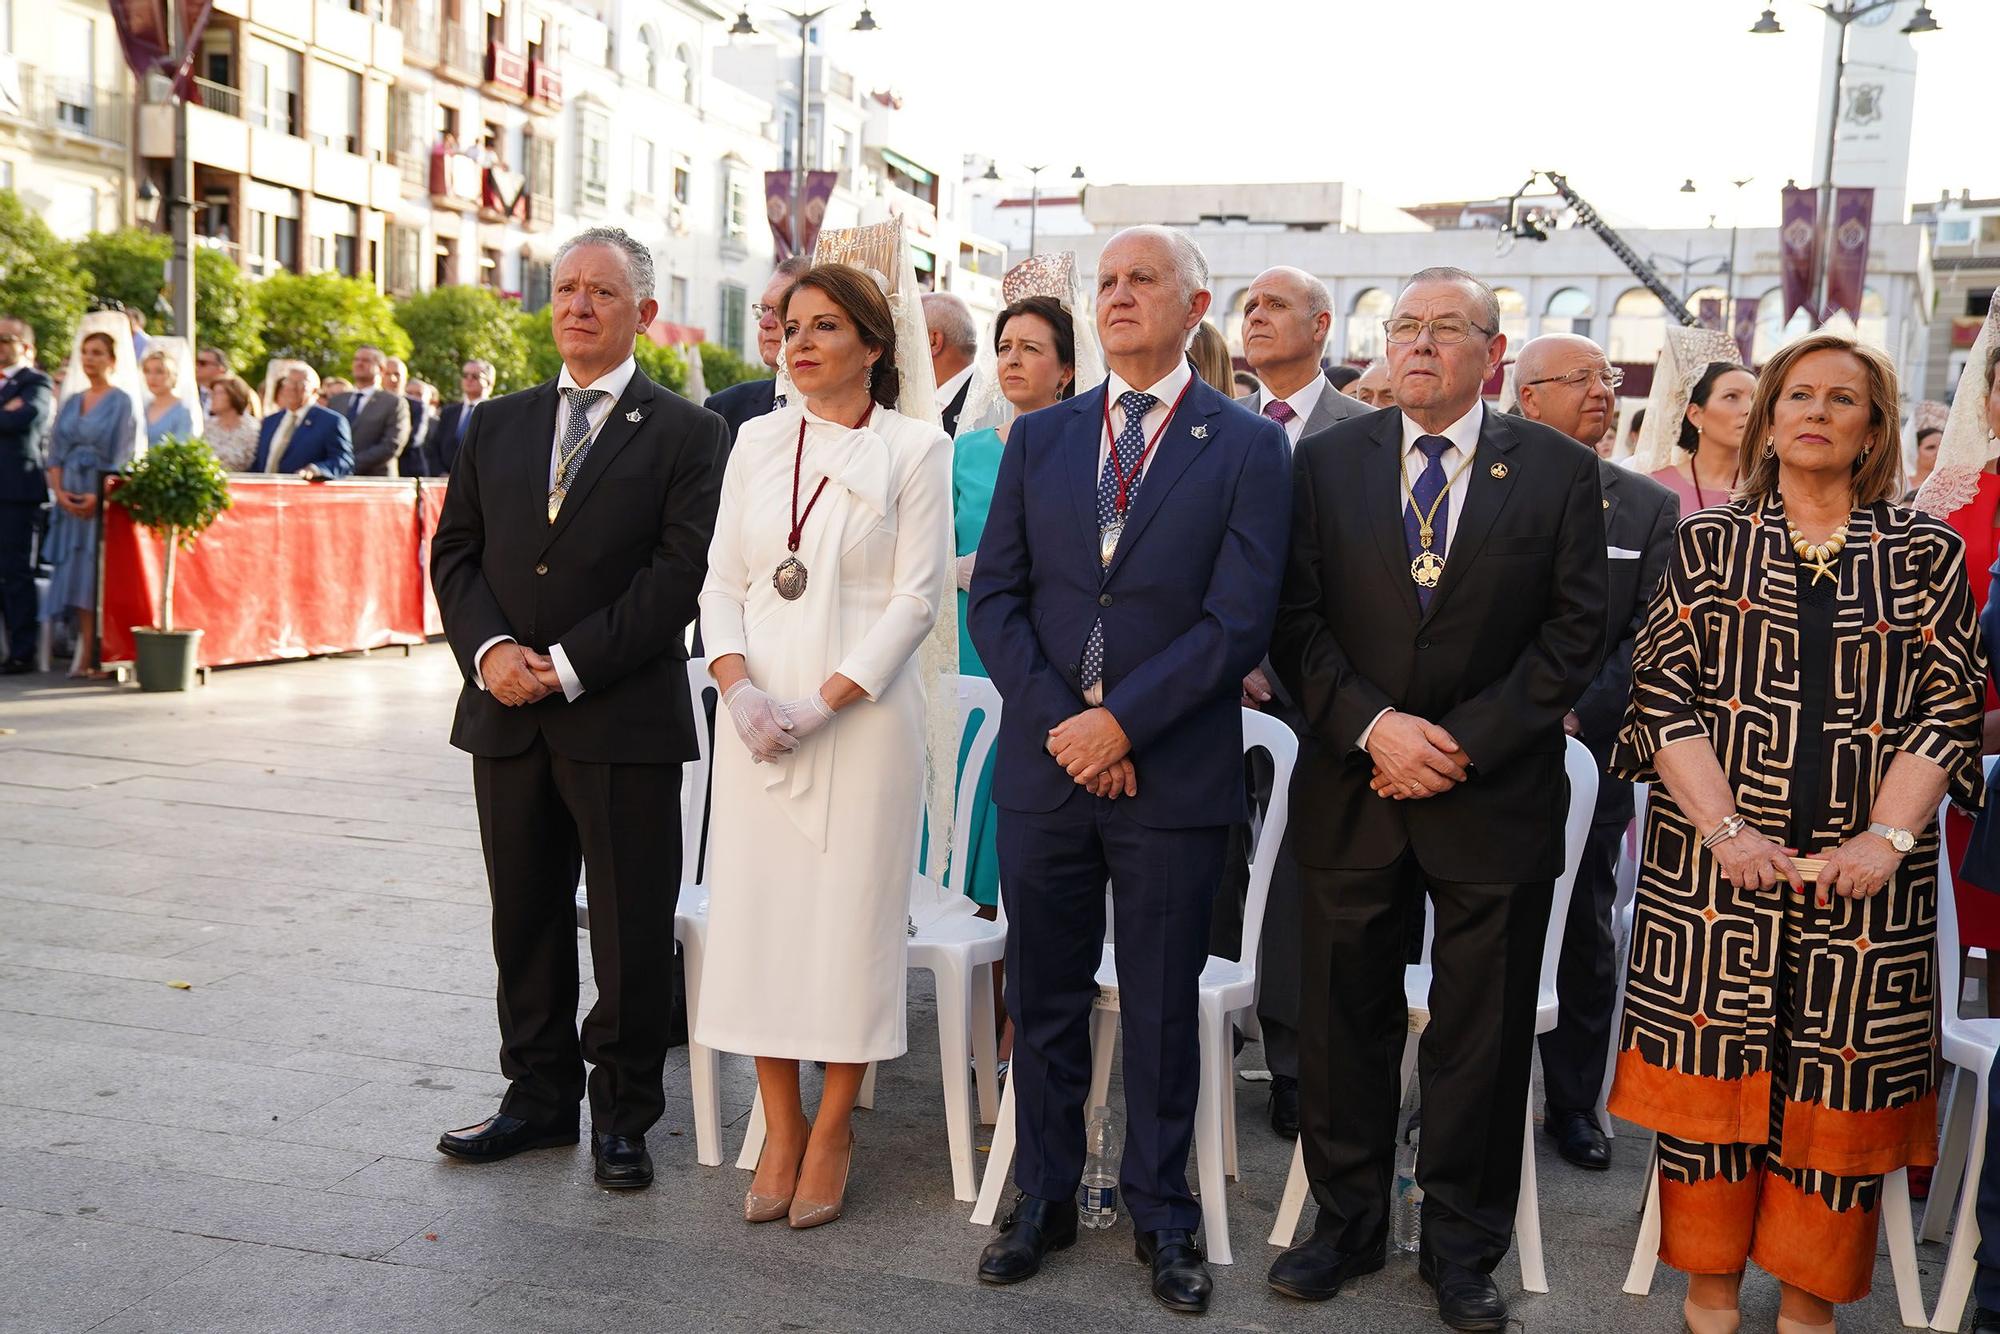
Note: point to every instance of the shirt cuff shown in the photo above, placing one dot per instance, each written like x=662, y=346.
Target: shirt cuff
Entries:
x=1368, y=731
x=478, y=678
x=565, y=673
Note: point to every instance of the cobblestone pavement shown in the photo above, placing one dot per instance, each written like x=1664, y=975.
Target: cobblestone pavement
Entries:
x=245, y=981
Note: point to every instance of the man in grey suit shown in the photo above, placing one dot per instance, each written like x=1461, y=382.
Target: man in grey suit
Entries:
x=1286, y=320
x=378, y=417
x=1565, y=381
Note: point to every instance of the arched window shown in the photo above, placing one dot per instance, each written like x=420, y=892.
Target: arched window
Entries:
x=1513, y=315
x=1773, y=330
x=649, y=53
x=684, y=71
x=1568, y=311
x=1364, y=324
x=1638, y=326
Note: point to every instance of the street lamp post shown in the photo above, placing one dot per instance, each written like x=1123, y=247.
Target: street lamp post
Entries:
x=1844, y=14
x=1034, y=202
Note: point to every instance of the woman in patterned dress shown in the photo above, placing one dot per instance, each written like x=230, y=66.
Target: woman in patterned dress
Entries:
x=1808, y=684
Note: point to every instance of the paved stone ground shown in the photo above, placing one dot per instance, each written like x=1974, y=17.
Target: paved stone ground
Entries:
x=297, y=844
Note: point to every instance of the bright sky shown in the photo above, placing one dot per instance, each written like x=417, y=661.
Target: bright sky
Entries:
x=1414, y=100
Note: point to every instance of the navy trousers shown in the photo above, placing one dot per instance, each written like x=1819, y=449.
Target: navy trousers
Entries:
x=1053, y=868
x=19, y=611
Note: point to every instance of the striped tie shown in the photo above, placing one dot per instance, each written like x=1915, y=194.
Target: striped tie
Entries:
x=580, y=403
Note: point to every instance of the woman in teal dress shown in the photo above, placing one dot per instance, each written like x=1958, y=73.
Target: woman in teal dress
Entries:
x=1034, y=341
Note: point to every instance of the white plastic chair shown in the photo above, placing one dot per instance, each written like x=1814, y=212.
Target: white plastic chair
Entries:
x=1228, y=986
x=1632, y=852
x=1581, y=770
x=959, y=948
x=1969, y=1048
x=1896, y=1219
x=691, y=921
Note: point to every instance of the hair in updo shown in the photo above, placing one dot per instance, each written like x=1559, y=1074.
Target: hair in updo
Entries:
x=99, y=336
x=1050, y=309
x=861, y=301
x=1691, y=437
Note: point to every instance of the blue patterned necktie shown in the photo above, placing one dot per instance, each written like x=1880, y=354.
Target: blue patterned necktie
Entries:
x=574, y=439
x=1125, y=454
x=1429, y=485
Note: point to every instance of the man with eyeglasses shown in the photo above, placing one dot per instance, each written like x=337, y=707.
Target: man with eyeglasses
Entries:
x=1443, y=610
x=1565, y=381
x=209, y=366
x=749, y=399
x=27, y=406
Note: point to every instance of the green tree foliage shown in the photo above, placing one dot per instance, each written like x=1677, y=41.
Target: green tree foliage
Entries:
x=721, y=368
x=449, y=326
x=225, y=311
x=663, y=365
x=177, y=488
x=130, y=267
x=39, y=281
x=320, y=318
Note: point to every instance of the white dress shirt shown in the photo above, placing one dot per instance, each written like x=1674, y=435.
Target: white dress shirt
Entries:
x=1464, y=437
x=613, y=384
x=1302, y=404
x=1165, y=392
x=947, y=391
x=281, y=438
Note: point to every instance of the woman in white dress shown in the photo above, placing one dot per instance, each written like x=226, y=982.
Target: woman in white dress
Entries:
x=831, y=558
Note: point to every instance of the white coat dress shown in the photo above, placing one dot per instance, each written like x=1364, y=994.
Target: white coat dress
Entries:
x=810, y=859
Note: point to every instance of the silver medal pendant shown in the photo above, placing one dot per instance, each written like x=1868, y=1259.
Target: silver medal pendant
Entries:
x=1107, y=541
x=790, y=579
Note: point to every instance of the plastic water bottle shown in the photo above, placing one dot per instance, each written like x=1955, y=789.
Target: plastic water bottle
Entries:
x=1099, y=1207
x=1406, y=1202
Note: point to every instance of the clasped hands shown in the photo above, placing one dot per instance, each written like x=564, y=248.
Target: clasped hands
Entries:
x=1414, y=758
x=1860, y=868
x=515, y=675
x=1094, y=750
x=770, y=730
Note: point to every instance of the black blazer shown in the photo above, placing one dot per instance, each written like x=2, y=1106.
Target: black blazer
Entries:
x=613, y=580
x=1639, y=520
x=416, y=459
x=1512, y=636
x=743, y=401
x=23, y=431
x=442, y=449
x=957, y=405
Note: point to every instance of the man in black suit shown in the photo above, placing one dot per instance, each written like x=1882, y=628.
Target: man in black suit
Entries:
x=1443, y=609
x=27, y=406
x=475, y=381
x=954, y=344
x=572, y=546
x=1567, y=382
x=748, y=399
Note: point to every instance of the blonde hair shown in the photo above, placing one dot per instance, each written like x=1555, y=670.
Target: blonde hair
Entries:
x=1878, y=472
x=173, y=367
x=1210, y=353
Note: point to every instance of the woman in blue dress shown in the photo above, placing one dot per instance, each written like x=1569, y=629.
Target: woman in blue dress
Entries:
x=166, y=413
x=97, y=431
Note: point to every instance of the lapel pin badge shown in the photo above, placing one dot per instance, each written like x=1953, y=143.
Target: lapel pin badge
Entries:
x=1605, y=503
x=1199, y=433
x=1498, y=471
x=632, y=416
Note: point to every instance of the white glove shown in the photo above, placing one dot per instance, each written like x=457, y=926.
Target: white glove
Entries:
x=805, y=716
x=965, y=563
x=759, y=721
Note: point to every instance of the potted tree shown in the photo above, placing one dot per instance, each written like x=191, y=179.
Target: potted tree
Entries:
x=177, y=488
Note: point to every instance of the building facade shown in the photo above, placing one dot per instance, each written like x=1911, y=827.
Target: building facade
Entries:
x=65, y=114
x=1965, y=252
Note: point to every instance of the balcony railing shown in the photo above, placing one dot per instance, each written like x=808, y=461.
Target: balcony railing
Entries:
x=544, y=84
x=415, y=164
x=506, y=69
x=420, y=38
x=461, y=52
x=63, y=105
x=220, y=98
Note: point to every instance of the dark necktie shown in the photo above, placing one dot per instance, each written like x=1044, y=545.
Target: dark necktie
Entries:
x=1279, y=411
x=353, y=406
x=1428, y=487
x=464, y=417
x=577, y=437
x=1125, y=454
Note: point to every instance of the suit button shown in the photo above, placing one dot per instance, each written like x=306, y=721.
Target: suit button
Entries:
x=1103, y=599
x=1072, y=668
x=1423, y=643
x=541, y=569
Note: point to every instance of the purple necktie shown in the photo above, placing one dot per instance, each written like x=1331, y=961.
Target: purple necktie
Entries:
x=1429, y=485
x=1279, y=411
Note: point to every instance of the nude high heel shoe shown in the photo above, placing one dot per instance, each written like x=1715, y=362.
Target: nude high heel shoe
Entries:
x=769, y=1208
x=805, y=1213
x=1709, y=1319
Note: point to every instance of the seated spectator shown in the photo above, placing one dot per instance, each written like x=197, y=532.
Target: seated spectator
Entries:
x=301, y=437
x=233, y=423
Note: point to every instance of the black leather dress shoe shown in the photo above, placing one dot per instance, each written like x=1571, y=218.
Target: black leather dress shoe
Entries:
x=1578, y=1139
x=1285, y=1106
x=502, y=1136
x=1033, y=1229
x=1180, y=1278
x=1985, y=1321
x=1315, y=1269
x=17, y=666
x=1467, y=1299
x=622, y=1161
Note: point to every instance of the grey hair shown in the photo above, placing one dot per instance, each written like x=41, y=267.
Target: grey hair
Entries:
x=305, y=369
x=638, y=256
x=950, y=316
x=791, y=266
x=1446, y=273
x=486, y=367
x=1190, y=265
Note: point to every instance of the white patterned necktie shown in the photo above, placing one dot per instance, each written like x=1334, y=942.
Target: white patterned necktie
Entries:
x=581, y=401
x=1126, y=451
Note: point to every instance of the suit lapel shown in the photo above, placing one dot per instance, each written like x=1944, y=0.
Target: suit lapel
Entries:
x=1321, y=416
x=1382, y=499
x=617, y=432
x=1608, y=478
x=530, y=490
x=1485, y=494
x=1178, y=447
x=1080, y=460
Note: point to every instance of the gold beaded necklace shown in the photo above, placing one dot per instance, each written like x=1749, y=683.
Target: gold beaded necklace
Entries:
x=1817, y=557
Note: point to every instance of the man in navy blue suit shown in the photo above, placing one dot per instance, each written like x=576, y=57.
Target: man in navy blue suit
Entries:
x=301, y=437
x=747, y=400
x=1126, y=583
x=476, y=380
x=27, y=406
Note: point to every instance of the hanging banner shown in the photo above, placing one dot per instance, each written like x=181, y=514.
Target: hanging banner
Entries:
x=778, y=204
x=819, y=190
x=1798, y=245
x=1744, y=328
x=149, y=44
x=1847, y=250
x=1708, y=312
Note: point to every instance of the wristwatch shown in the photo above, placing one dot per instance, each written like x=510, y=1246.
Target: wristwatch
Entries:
x=1902, y=840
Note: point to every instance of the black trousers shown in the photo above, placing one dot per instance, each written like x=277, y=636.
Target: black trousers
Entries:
x=1473, y=1061
x=19, y=610
x=541, y=817
x=1052, y=872
x=1575, y=1051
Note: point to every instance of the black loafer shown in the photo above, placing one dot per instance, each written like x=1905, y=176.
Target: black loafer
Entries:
x=502, y=1136
x=1578, y=1139
x=1285, y=1106
x=1034, y=1228
x=1467, y=1299
x=1315, y=1269
x=17, y=667
x=622, y=1161
x=1985, y=1321
x=1180, y=1279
